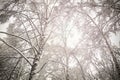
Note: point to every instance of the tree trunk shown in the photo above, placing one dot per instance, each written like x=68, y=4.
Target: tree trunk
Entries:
x=33, y=74
x=117, y=67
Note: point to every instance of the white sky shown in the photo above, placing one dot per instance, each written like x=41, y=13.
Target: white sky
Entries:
x=115, y=39
x=3, y=27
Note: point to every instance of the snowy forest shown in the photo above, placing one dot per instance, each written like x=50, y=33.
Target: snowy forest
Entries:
x=59, y=39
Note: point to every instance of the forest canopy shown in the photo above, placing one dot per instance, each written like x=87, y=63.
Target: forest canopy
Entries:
x=59, y=40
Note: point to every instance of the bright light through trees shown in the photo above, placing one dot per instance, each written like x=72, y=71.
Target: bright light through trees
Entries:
x=59, y=40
